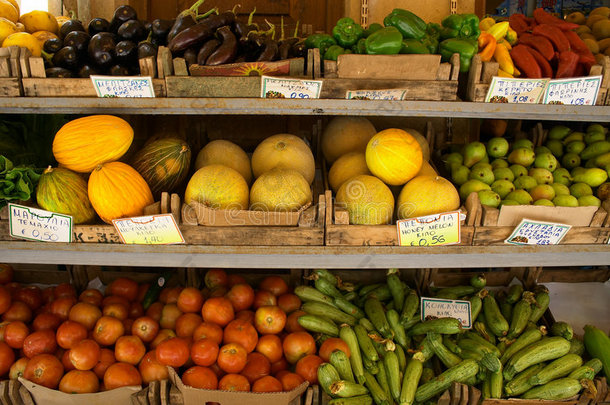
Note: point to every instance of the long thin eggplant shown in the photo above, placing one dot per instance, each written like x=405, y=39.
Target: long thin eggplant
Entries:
x=196, y=34
x=270, y=51
x=227, y=51
x=286, y=44
x=185, y=19
x=190, y=56
x=206, y=50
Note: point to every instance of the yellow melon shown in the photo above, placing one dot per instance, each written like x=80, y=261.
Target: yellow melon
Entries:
x=394, y=156
x=23, y=40
x=8, y=11
x=284, y=151
x=218, y=187
x=282, y=190
x=423, y=142
x=367, y=200
x=427, y=195
x=346, y=134
x=347, y=166
x=39, y=20
x=225, y=153
x=427, y=169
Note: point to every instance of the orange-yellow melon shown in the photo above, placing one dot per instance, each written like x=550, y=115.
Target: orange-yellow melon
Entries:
x=394, y=156
x=218, y=187
x=284, y=151
x=367, y=200
x=427, y=195
x=346, y=134
x=421, y=139
x=226, y=153
x=281, y=190
x=347, y=166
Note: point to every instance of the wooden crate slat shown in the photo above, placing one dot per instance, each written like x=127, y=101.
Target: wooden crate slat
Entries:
x=496, y=235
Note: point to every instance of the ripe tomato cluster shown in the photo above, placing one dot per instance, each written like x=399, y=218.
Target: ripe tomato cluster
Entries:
x=226, y=336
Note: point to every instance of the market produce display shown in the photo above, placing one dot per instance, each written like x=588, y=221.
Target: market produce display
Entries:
x=593, y=29
x=570, y=169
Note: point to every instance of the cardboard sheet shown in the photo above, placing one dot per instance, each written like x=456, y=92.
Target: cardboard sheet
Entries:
x=46, y=396
x=511, y=215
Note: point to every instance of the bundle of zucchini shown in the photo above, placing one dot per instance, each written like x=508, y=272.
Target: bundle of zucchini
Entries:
x=396, y=358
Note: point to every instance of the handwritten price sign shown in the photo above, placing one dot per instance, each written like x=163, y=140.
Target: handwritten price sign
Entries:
x=35, y=224
x=537, y=233
x=275, y=87
x=123, y=86
x=443, y=308
x=432, y=230
x=390, y=94
x=151, y=230
x=509, y=90
x=573, y=91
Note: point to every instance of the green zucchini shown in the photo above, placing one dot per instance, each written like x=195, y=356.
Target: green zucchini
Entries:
x=506, y=309
x=396, y=289
x=307, y=293
x=543, y=350
x=392, y=368
x=446, y=357
x=514, y=294
x=327, y=375
x=491, y=362
x=327, y=288
x=478, y=281
x=370, y=366
x=350, y=296
x=583, y=373
x=539, y=308
x=349, y=337
x=342, y=364
x=375, y=312
x=448, y=326
x=427, y=374
x=476, y=303
x=558, y=368
x=346, y=389
x=366, y=324
x=526, y=339
x=365, y=290
x=598, y=346
x=520, y=383
x=410, y=379
x=486, y=388
x=382, y=378
x=460, y=373
x=595, y=364
x=153, y=292
x=496, y=381
x=329, y=312
x=381, y=293
x=410, y=306
x=478, y=344
x=325, y=274
x=577, y=346
x=366, y=345
x=400, y=336
x=402, y=357
x=483, y=330
x=359, y=400
x=408, y=324
x=347, y=307
x=493, y=317
x=562, y=329
x=314, y=323
x=457, y=291
x=555, y=390
x=378, y=394
x=521, y=315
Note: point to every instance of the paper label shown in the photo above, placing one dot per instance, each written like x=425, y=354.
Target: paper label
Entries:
x=149, y=230
x=443, y=308
x=509, y=90
x=123, y=86
x=573, y=91
x=35, y=224
x=537, y=233
x=390, y=94
x=275, y=87
x=432, y=230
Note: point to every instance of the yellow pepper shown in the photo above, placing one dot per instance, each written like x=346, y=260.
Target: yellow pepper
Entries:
x=486, y=23
x=487, y=46
x=502, y=73
x=499, y=30
x=517, y=73
x=503, y=58
x=511, y=36
x=504, y=42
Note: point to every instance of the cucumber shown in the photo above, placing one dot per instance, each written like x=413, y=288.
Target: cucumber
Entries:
x=396, y=289
x=446, y=357
x=155, y=289
x=598, y=346
x=342, y=364
x=541, y=305
x=493, y=317
x=562, y=329
x=365, y=343
x=410, y=306
x=520, y=383
x=392, y=369
x=562, y=388
x=359, y=400
x=314, y=323
x=378, y=394
x=521, y=315
x=375, y=312
x=410, y=379
x=526, y=339
x=325, y=274
x=583, y=373
x=329, y=312
x=560, y=367
x=514, y=294
x=543, y=350
x=448, y=326
x=346, y=389
x=307, y=293
x=577, y=346
x=347, y=307
x=327, y=288
x=327, y=375
x=460, y=373
x=400, y=336
x=349, y=337
x=496, y=381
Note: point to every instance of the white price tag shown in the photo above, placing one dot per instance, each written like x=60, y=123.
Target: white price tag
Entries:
x=444, y=308
x=537, y=233
x=573, y=91
x=149, y=230
x=36, y=224
x=123, y=86
x=390, y=94
x=509, y=90
x=276, y=87
x=431, y=230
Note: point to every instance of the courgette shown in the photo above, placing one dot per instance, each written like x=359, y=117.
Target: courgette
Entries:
x=506, y=309
x=402, y=357
x=396, y=289
x=520, y=383
x=562, y=329
x=327, y=288
x=598, y=346
x=595, y=364
x=514, y=294
x=476, y=304
x=342, y=364
x=583, y=373
x=451, y=345
x=318, y=324
x=365, y=343
x=370, y=366
x=155, y=289
x=327, y=376
x=410, y=306
x=457, y=291
x=378, y=394
x=359, y=400
x=577, y=346
x=376, y=314
x=346, y=389
x=410, y=379
x=366, y=324
x=478, y=281
x=446, y=357
x=307, y=293
x=558, y=368
x=476, y=345
x=349, y=337
x=496, y=381
x=482, y=328
x=382, y=378
x=447, y=326
x=329, y=312
x=460, y=373
x=542, y=303
x=347, y=307
x=493, y=317
x=555, y=390
x=325, y=274
x=392, y=368
x=381, y=293
x=526, y=339
x=547, y=349
x=400, y=336
x=521, y=315
x=365, y=290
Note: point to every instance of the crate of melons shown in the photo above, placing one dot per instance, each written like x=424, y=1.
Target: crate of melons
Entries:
x=379, y=177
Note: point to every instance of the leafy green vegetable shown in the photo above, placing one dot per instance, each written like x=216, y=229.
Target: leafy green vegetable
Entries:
x=16, y=183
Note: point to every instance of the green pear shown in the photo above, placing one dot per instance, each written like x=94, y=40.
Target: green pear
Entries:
x=489, y=198
x=589, y=200
x=472, y=186
x=509, y=202
x=482, y=165
x=518, y=170
x=559, y=132
x=521, y=196
x=592, y=137
x=595, y=149
x=525, y=183
x=453, y=159
x=574, y=136
x=602, y=160
x=565, y=201
x=576, y=171
x=589, y=164
x=497, y=147
x=485, y=159
x=570, y=160
x=482, y=173
x=542, y=149
x=597, y=128
x=563, y=176
x=522, y=156
x=459, y=174
x=546, y=161
x=545, y=202
x=504, y=173
x=560, y=189
x=555, y=146
x=580, y=189
x=523, y=143
x=603, y=191
x=499, y=163
x=542, y=191
x=575, y=147
x=473, y=152
x=502, y=187
x=542, y=176
x=593, y=176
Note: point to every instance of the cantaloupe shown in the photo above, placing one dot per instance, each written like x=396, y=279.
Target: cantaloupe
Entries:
x=346, y=134
x=427, y=195
x=394, y=156
x=282, y=190
x=226, y=153
x=347, y=166
x=218, y=187
x=284, y=151
x=367, y=200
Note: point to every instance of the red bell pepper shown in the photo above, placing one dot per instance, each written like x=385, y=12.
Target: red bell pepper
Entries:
x=520, y=23
x=542, y=17
x=539, y=43
x=553, y=34
x=545, y=68
x=567, y=66
x=525, y=62
x=586, y=57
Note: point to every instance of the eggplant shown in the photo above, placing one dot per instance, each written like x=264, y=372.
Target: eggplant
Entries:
x=160, y=28
x=101, y=49
x=78, y=40
x=147, y=25
x=118, y=70
x=97, y=25
x=227, y=51
x=126, y=52
x=195, y=35
x=87, y=70
x=58, y=72
x=121, y=15
x=228, y=17
x=70, y=26
x=147, y=48
x=299, y=50
x=132, y=30
x=190, y=56
x=52, y=45
x=66, y=57
x=270, y=51
x=206, y=50
x=185, y=19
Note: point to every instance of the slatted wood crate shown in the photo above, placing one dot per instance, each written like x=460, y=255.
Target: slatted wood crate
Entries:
x=13, y=63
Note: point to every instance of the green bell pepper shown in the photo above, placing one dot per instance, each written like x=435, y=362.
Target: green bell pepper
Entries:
x=407, y=23
x=320, y=41
x=334, y=51
x=347, y=32
x=413, y=46
x=372, y=28
x=359, y=47
x=466, y=48
x=386, y=41
x=465, y=26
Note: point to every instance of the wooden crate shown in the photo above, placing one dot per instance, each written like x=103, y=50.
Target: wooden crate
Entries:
x=481, y=73
x=13, y=393
x=13, y=64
